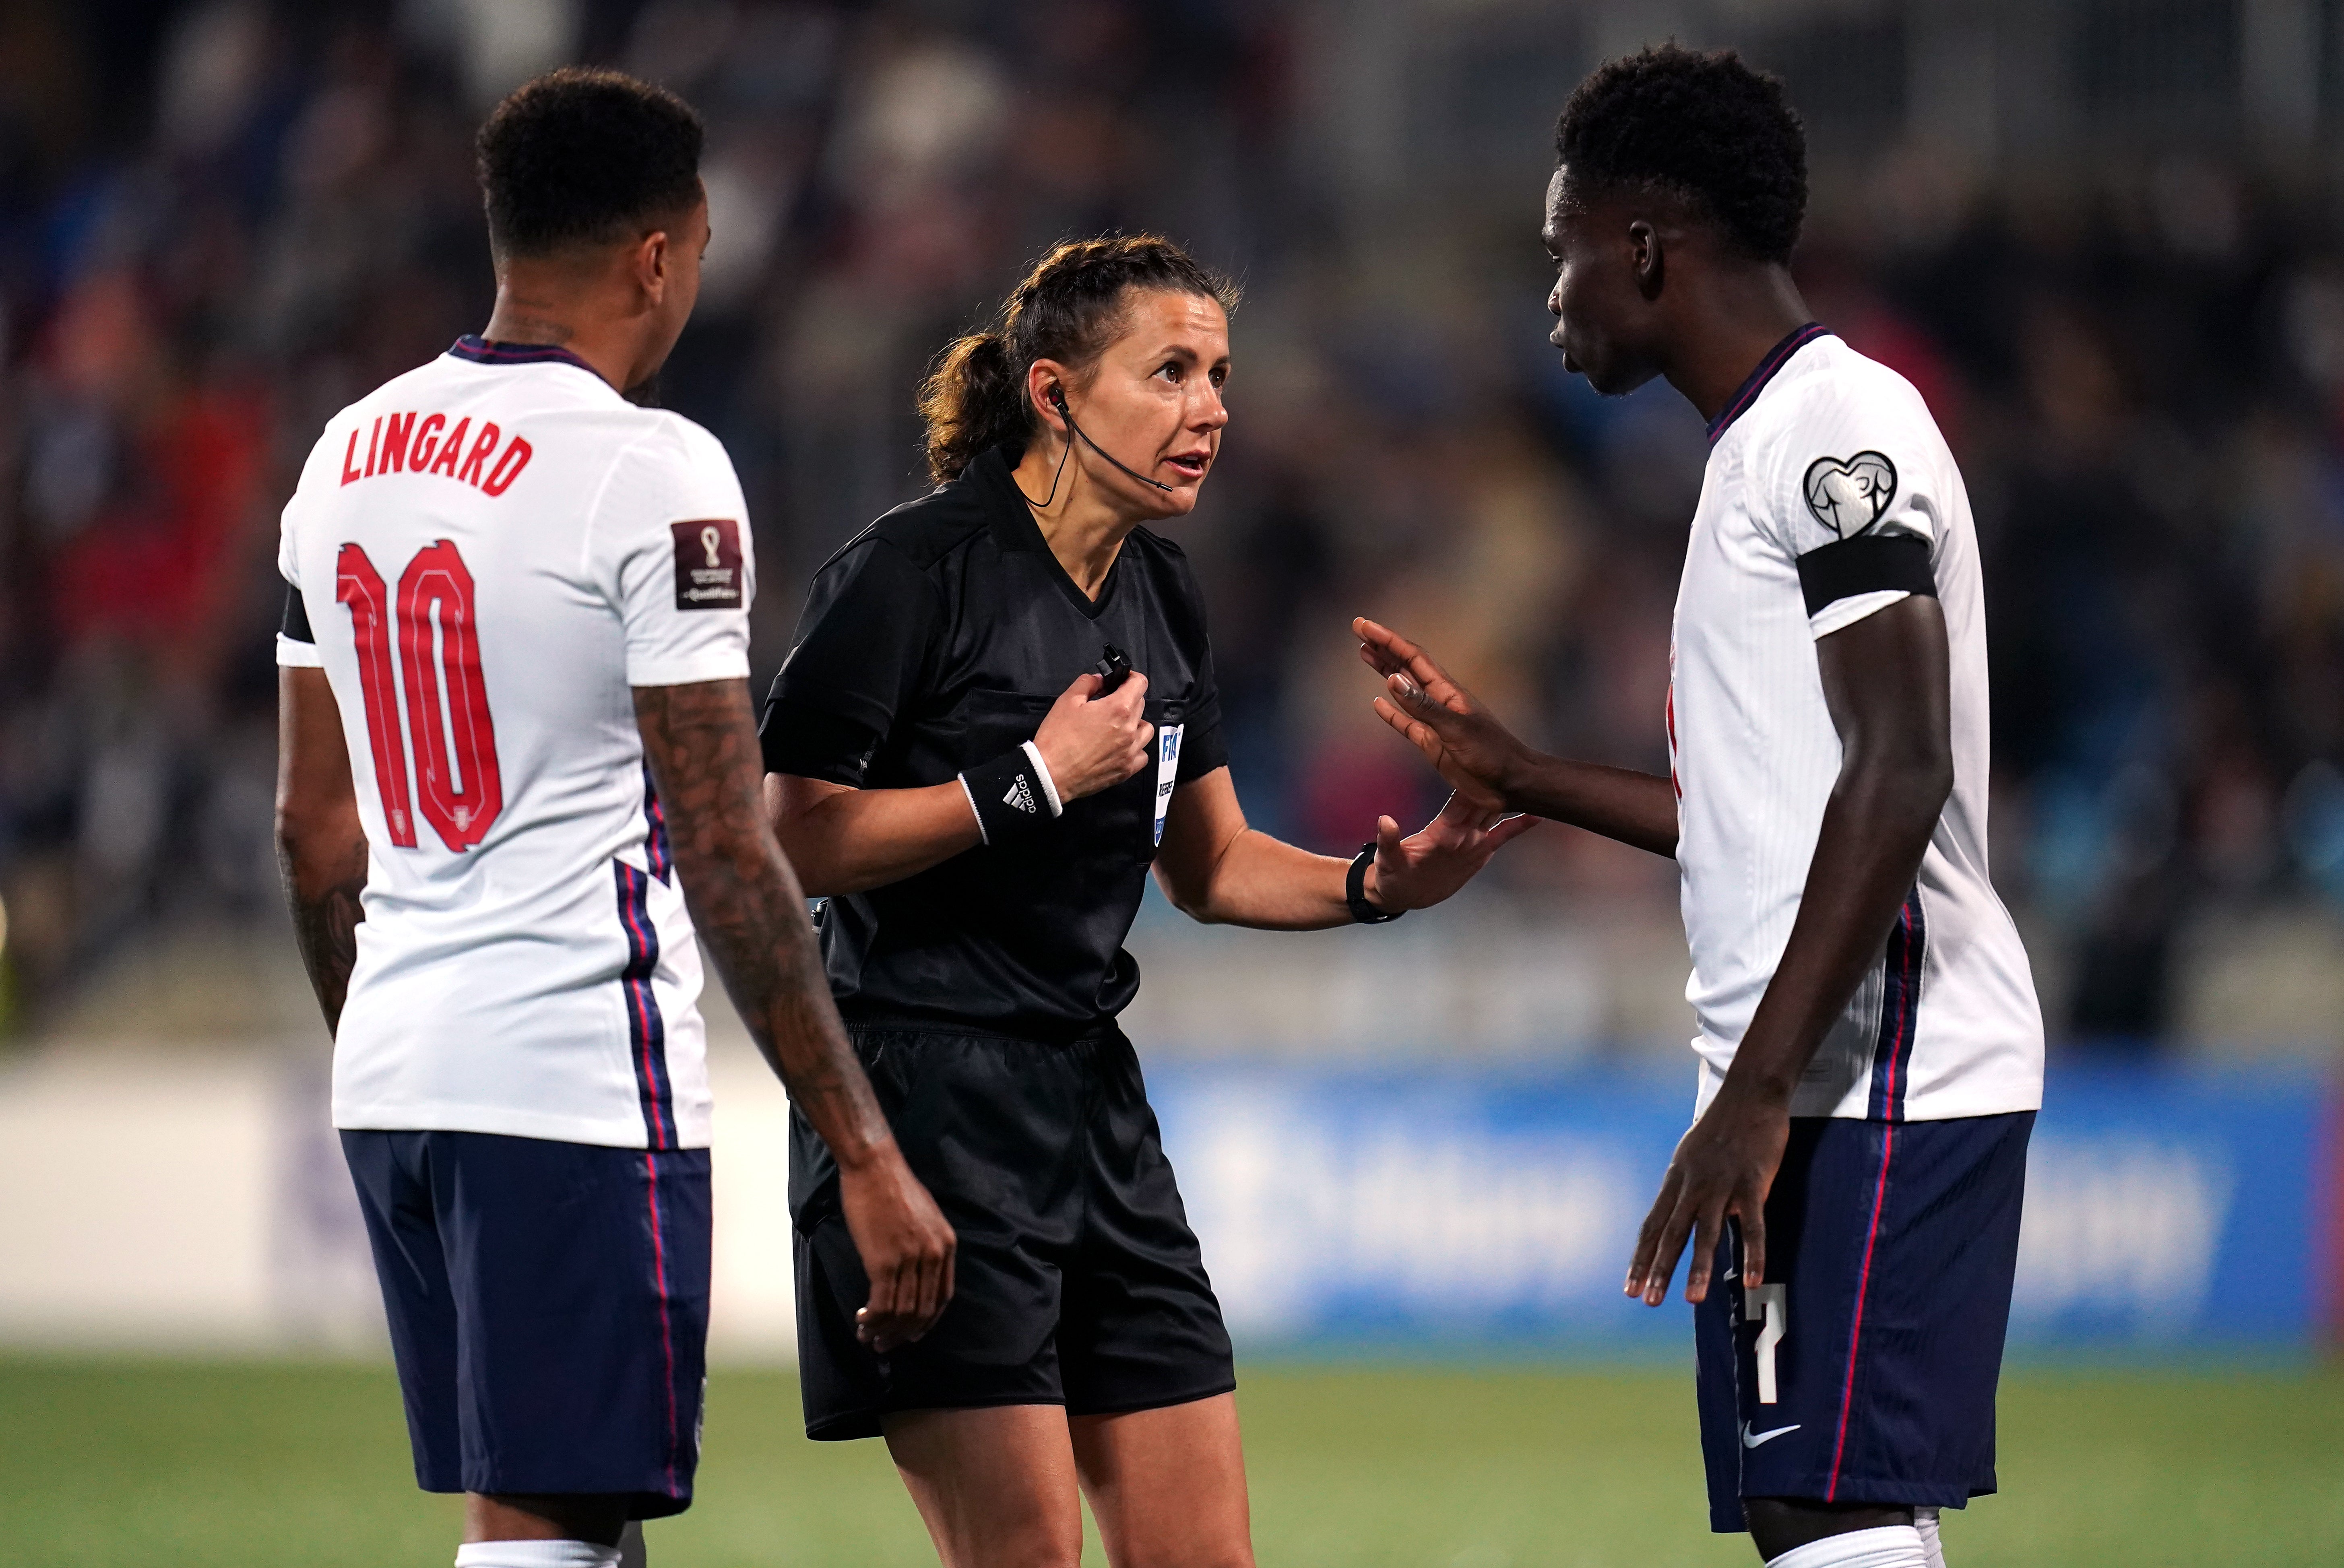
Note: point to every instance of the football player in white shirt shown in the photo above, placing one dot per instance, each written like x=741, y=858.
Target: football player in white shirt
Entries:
x=1870, y=1051
x=518, y=772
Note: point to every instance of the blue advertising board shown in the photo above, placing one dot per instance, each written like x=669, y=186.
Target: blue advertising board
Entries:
x=1480, y=1211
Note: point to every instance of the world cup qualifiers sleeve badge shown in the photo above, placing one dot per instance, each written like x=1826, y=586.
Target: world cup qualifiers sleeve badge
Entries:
x=707, y=564
x=1849, y=495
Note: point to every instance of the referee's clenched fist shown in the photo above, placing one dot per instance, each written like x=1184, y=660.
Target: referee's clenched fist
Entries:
x=1089, y=741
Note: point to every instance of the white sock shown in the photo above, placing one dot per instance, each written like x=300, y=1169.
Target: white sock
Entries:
x=535, y=1554
x=1925, y=1520
x=1890, y=1546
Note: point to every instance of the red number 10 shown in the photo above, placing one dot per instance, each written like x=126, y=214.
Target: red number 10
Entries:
x=453, y=739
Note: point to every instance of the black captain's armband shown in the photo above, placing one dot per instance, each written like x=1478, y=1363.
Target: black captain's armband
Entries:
x=295, y=624
x=1869, y=563
x=1012, y=795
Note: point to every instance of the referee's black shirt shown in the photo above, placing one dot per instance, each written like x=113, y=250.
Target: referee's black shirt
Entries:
x=935, y=641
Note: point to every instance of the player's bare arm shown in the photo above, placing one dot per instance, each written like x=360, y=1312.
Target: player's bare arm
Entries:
x=1215, y=868
x=844, y=840
x=321, y=845
x=702, y=744
x=1885, y=681
x=1485, y=762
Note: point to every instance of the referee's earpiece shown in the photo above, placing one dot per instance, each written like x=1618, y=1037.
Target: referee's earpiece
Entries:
x=1058, y=396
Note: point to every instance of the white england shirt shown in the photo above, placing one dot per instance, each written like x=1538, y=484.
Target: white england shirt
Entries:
x=1822, y=446
x=492, y=550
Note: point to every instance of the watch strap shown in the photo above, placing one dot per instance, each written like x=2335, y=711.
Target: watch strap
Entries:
x=1355, y=890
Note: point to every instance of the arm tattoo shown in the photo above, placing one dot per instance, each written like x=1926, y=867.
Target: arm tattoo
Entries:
x=325, y=925
x=701, y=742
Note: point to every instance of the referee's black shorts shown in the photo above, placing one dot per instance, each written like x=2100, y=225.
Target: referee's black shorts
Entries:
x=1079, y=1283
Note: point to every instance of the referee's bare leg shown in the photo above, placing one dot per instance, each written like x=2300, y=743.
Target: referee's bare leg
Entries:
x=1002, y=1487
x=630, y=1545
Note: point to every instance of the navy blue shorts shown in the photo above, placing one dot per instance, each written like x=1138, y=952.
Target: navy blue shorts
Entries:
x=548, y=1310
x=1864, y=1370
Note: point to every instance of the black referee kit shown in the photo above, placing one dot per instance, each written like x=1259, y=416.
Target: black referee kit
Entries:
x=982, y=994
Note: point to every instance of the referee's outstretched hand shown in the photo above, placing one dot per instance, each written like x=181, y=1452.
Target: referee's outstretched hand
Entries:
x=1428, y=866
x=1461, y=739
x=906, y=1247
x=1092, y=742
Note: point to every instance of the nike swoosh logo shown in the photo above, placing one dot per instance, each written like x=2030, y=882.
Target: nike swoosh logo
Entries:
x=1751, y=1439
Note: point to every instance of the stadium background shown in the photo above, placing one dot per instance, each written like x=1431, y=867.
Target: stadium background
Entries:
x=2102, y=237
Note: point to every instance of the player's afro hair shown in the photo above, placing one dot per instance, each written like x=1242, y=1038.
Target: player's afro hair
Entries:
x=1704, y=125
x=585, y=156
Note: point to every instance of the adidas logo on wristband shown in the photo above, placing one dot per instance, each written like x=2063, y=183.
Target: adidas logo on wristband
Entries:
x=1011, y=796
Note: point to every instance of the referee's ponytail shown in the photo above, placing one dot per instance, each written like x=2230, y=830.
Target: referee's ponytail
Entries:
x=1069, y=308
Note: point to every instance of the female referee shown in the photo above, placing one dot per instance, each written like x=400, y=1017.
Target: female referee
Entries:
x=1000, y=713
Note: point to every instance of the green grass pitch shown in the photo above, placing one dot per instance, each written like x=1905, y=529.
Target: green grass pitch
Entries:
x=131, y=1463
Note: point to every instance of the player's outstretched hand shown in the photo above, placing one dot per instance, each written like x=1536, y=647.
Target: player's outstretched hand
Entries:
x=1420, y=871
x=1472, y=752
x=906, y=1246
x=1725, y=1165
x=1091, y=742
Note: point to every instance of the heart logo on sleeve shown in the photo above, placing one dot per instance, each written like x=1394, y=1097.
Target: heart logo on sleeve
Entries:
x=1848, y=495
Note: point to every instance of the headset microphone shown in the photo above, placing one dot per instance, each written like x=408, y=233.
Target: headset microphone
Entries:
x=1058, y=400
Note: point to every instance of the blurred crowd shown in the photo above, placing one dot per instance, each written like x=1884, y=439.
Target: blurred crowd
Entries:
x=219, y=222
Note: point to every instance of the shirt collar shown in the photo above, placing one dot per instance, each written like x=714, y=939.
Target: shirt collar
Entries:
x=1017, y=528
x=480, y=351
x=1755, y=383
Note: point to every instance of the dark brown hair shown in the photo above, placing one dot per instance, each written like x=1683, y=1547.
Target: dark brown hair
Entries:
x=1069, y=308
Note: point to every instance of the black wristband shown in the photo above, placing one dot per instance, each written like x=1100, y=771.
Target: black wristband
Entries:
x=1355, y=889
x=1010, y=797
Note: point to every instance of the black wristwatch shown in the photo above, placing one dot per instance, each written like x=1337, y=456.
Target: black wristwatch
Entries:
x=1355, y=889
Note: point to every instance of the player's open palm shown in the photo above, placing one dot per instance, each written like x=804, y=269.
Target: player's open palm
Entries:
x=1472, y=752
x=906, y=1247
x=1421, y=869
x=1724, y=1165
x=1090, y=742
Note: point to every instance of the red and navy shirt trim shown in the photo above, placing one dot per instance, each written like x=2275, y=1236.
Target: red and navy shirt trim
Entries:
x=646, y=1029
x=480, y=351
x=656, y=850
x=1900, y=1010
x=1755, y=383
